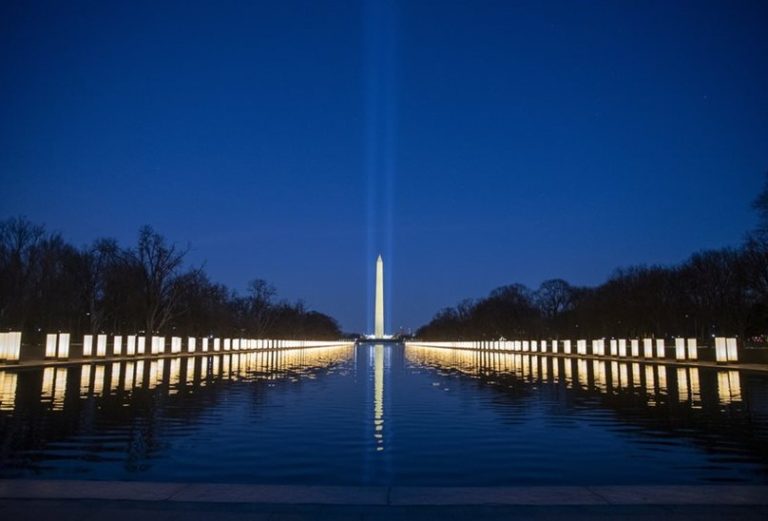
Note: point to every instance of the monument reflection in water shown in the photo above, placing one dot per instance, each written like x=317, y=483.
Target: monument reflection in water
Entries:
x=385, y=414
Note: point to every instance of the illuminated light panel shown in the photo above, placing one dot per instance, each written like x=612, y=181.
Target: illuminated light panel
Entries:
x=635, y=345
x=141, y=345
x=50, y=345
x=693, y=350
x=721, y=352
x=647, y=347
x=13, y=346
x=732, y=352
x=680, y=349
x=117, y=345
x=623, y=347
x=101, y=345
x=130, y=345
x=63, y=352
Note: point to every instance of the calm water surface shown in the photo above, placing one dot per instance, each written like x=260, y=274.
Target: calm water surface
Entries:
x=385, y=415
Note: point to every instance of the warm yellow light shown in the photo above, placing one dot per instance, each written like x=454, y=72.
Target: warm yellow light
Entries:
x=50, y=346
x=648, y=347
x=692, y=349
x=721, y=353
x=679, y=349
x=63, y=352
x=8, y=385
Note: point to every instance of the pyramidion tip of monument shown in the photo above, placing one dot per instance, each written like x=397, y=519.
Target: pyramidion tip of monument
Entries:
x=379, y=259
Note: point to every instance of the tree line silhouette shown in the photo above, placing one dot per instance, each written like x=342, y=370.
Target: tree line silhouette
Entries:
x=48, y=285
x=720, y=292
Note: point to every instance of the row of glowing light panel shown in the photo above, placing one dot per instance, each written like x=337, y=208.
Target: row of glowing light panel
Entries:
x=623, y=375
x=685, y=349
x=130, y=375
x=57, y=345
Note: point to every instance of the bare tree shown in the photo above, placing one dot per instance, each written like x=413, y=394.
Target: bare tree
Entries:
x=260, y=312
x=159, y=264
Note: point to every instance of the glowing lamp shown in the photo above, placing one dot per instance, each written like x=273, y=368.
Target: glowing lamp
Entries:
x=205, y=345
x=679, y=349
x=731, y=350
x=535, y=346
x=141, y=345
x=622, y=347
x=191, y=344
x=130, y=345
x=693, y=350
x=117, y=349
x=648, y=347
x=63, y=353
x=554, y=346
x=87, y=345
x=50, y=346
x=10, y=347
x=659, y=348
x=614, y=347
x=543, y=346
x=635, y=345
x=581, y=347
x=567, y=347
x=721, y=352
x=175, y=344
x=101, y=345
x=227, y=344
x=217, y=344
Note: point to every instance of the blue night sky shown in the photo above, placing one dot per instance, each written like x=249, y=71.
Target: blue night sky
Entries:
x=473, y=144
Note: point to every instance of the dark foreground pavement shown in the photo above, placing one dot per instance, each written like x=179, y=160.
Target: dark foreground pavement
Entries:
x=142, y=501
x=121, y=510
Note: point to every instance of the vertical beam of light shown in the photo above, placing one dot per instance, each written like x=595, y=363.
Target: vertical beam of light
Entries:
x=380, y=145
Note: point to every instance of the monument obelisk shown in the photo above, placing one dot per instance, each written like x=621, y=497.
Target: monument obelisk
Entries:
x=378, y=318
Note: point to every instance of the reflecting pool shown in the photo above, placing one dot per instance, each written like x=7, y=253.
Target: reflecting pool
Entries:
x=385, y=414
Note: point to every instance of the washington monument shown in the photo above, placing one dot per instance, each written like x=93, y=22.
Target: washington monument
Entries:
x=378, y=317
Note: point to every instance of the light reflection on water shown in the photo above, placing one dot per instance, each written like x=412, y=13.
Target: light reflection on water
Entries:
x=383, y=414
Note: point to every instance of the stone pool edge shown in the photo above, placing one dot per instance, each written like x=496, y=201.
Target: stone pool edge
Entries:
x=386, y=496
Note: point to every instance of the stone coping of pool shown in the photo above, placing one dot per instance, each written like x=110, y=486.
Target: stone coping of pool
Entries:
x=393, y=496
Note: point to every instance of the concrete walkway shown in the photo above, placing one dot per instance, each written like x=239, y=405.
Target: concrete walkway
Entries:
x=115, y=501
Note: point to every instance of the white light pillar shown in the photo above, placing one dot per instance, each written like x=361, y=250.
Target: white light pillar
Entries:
x=50, y=345
x=379, y=304
x=63, y=352
x=679, y=348
x=693, y=349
